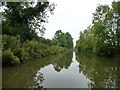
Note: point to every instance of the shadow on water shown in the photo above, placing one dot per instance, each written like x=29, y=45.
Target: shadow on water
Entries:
x=102, y=72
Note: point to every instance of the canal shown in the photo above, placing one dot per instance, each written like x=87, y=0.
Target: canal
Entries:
x=64, y=71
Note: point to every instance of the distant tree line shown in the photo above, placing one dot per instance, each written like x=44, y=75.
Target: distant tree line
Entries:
x=103, y=36
x=60, y=39
x=63, y=39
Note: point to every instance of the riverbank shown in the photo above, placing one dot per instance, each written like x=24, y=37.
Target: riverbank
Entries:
x=15, y=52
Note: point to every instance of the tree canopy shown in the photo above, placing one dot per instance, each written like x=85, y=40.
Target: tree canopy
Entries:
x=103, y=36
x=63, y=39
x=25, y=18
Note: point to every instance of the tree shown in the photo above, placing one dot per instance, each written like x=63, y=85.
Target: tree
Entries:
x=69, y=40
x=85, y=43
x=63, y=39
x=103, y=37
x=116, y=20
x=25, y=18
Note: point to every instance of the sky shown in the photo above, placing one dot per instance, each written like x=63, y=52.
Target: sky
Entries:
x=72, y=16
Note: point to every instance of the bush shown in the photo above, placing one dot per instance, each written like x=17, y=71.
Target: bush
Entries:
x=9, y=58
x=15, y=52
x=19, y=52
x=32, y=47
x=10, y=42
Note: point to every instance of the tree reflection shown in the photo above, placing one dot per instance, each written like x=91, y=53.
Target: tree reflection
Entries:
x=102, y=72
x=36, y=81
x=63, y=62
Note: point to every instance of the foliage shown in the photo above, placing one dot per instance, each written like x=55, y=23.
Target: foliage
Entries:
x=19, y=52
x=63, y=39
x=8, y=57
x=85, y=43
x=24, y=18
x=21, y=23
x=102, y=37
x=14, y=51
x=10, y=42
x=43, y=40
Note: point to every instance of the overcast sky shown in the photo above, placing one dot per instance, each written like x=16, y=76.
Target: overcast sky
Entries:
x=72, y=16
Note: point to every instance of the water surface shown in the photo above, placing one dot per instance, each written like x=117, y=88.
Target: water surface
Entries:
x=64, y=71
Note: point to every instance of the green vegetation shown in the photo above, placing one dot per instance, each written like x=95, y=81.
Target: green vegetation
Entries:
x=25, y=18
x=63, y=39
x=15, y=52
x=102, y=38
x=21, y=23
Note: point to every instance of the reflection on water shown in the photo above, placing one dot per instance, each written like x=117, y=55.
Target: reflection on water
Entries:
x=19, y=76
x=103, y=72
x=62, y=63
x=36, y=82
x=64, y=71
x=67, y=77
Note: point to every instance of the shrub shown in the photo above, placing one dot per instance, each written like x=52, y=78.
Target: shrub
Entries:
x=32, y=47
x=10, y=42
x=9, y=58
x=15, y=52
x=19, y=52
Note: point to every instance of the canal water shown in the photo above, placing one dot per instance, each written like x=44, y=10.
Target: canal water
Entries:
x=64, y=71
